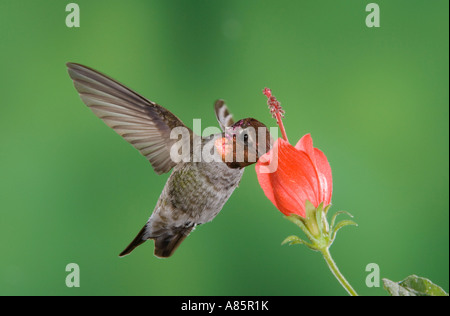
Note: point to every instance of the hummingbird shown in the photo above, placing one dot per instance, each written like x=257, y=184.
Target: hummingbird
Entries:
x=197, y=189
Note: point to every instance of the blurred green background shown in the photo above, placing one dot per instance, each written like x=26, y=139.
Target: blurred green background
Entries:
x=376, y=102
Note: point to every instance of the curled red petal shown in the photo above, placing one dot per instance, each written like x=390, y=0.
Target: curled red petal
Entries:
x=306, y=144
x=322, y=167
x=325, y=177
x=294, y=181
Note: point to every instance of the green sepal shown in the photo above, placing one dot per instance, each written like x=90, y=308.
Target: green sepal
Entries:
x=413, y=286
x=326, y=209
x=333, y=219
x=316, y=227
x=296, y=219
x=311, y=220
x=295, y=240
x=339, y=226
x=319, y=215
x=324, y=217
x=300, y=222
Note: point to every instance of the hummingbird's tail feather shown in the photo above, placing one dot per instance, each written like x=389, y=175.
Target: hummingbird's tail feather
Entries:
x=169, y=240
x=138, y=240
x=166, y=241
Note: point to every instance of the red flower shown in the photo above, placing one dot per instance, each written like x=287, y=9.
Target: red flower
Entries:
x=302, y=173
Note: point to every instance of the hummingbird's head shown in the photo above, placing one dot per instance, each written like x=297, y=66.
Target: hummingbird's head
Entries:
x=243, y=143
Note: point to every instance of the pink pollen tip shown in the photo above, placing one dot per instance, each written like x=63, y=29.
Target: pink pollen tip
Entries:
x=276, y=110
x=273, y=103
x=267, y=92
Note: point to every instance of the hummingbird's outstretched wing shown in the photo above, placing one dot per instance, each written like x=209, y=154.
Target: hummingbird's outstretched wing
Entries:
x=223, y=116
x=143, y=123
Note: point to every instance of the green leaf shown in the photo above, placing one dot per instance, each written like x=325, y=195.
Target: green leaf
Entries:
x=413, y=286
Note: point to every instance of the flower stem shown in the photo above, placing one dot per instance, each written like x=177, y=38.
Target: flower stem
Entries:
x=333, y=267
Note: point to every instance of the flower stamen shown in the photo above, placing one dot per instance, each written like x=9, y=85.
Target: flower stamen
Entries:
x=276, y=110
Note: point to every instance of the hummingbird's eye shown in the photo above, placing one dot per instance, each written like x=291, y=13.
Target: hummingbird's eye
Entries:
x=246, y=139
